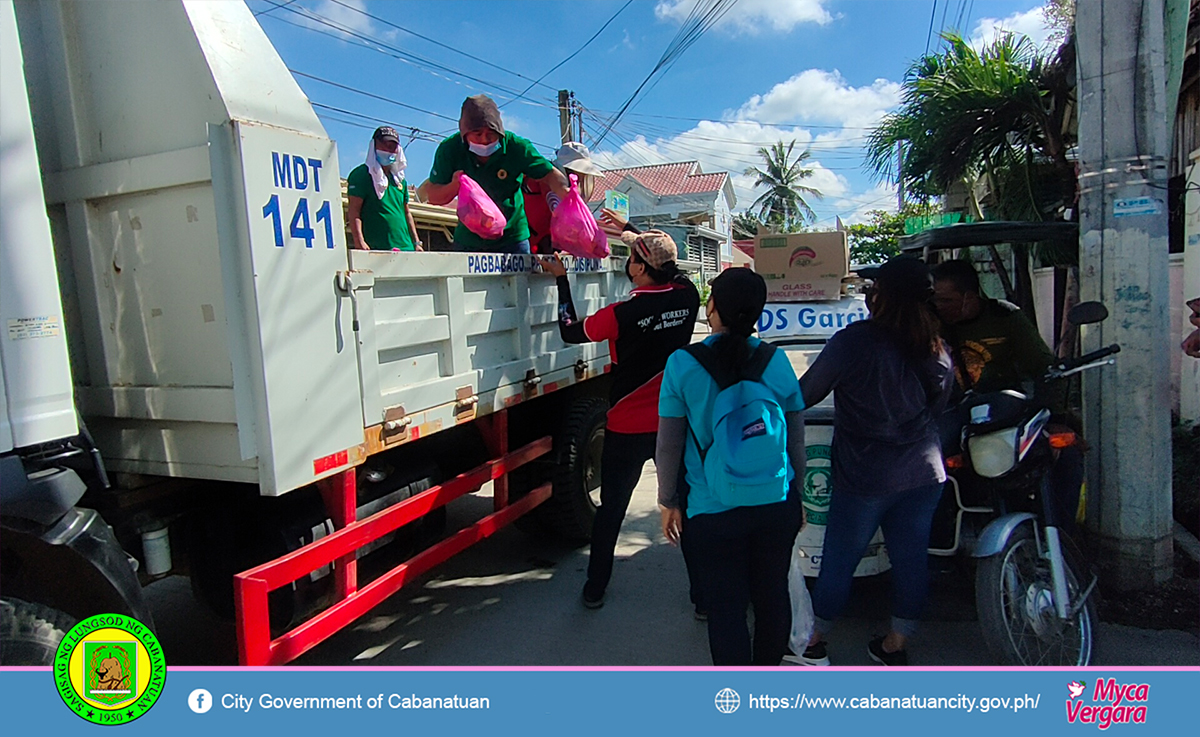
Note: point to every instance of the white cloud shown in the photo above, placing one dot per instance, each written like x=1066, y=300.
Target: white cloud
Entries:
x=728, y=146
x=1031, y=23
x=346, y=18
x=751, y=16
x=516, y=124
x=816, y=95
x=626, y=42
x=781, y=114
x=856, y=208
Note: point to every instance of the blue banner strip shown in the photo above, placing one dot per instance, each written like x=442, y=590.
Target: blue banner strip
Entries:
x=613, y=702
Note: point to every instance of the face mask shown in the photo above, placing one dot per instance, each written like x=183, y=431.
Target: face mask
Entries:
x=385, y=159
x=480, y=149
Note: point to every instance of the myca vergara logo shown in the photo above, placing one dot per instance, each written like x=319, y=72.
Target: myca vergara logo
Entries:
x=1112, y=703
x=110, y=669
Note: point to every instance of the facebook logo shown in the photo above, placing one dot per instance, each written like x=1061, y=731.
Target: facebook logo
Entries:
x=200, y=701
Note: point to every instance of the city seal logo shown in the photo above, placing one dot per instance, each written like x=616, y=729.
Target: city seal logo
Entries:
x=109, y=669
x=818, y=483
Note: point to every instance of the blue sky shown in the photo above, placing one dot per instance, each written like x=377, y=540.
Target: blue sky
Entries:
x=818, y=71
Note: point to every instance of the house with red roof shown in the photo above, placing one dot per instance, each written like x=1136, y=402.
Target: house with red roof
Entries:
x=679, y=198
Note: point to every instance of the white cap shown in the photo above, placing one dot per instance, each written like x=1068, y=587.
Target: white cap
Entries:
x=576, y=157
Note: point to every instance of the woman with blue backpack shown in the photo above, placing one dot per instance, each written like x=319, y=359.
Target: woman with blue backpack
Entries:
x=891, y=377
x=731, y=408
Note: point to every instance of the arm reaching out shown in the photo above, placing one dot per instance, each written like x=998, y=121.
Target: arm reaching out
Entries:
x=668, y=459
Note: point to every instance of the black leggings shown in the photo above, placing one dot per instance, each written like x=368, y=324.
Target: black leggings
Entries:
x=742, y=555
x=620, y=470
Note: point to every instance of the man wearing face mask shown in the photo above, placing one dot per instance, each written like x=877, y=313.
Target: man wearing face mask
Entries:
x=500, y=162
x=994, y=345
x=642, y=332
x=378, y=198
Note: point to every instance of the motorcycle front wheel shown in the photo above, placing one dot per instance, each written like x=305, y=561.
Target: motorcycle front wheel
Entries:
x=1014, y=595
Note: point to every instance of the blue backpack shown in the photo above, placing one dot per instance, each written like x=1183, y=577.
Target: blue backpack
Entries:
x=746, y=464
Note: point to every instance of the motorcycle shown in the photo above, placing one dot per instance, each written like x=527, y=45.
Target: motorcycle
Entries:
x=1033, y=591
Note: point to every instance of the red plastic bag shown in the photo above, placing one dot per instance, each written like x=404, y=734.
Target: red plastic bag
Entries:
x=477, y=212
x=573, y=228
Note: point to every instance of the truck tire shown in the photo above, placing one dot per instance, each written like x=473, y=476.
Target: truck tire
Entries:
x=30, y=633
x=571, y=510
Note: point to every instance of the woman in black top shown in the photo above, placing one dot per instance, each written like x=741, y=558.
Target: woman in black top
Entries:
x=891, y=378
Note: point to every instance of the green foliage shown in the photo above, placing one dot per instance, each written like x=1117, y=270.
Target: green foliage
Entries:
x=968, y=112
x=745, y=225
x=1060, y=18
x=783, y=205
x=877, y=240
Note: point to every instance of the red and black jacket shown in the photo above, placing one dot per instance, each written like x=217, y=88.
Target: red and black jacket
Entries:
x=642, y=332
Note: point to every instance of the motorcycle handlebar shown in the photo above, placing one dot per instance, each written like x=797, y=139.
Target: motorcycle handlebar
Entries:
x=1089, y=357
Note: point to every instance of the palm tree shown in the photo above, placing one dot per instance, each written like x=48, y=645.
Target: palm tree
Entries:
x=783, y=204
x=995, y=113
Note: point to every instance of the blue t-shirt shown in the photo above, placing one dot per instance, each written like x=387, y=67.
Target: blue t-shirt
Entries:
x=688, y=391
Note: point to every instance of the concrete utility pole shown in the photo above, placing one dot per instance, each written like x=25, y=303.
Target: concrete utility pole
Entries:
x=1123, y=145
x=564, y=116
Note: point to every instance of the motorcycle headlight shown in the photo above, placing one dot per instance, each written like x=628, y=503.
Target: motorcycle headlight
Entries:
x=993, y=454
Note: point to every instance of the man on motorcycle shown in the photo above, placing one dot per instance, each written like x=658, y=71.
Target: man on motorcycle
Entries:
x=995, y=347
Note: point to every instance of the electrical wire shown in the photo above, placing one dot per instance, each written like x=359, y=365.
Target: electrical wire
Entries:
x=929, y=33
x=840, y=147
x=435, y=42
x=380, y=46
x=631, y=113
x=572, y=56
x=696, y=24
x=371, y=95
x=417, y=132
x=274, y=8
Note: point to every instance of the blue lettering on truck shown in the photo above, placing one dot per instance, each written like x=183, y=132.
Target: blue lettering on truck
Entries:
x=822, y=319
x=295, y=172
x=512, y=263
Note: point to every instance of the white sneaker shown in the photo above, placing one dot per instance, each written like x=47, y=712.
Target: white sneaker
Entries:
x=813, y=655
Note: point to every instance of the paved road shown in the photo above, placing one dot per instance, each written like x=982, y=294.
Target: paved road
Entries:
x=512, y=600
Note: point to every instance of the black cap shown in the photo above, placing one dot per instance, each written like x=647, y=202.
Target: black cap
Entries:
x=386, y=133
x=738, y=296
x=902, y=276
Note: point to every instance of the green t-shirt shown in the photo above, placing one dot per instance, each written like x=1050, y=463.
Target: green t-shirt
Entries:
x=384, y=222
x=1001, y=349
x=500, y=176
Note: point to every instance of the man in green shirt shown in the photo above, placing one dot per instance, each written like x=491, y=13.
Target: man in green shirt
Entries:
x=499, y=161
x=378, y=198
x=994, y=345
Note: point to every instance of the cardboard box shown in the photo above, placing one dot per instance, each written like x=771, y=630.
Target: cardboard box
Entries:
x=802, y=267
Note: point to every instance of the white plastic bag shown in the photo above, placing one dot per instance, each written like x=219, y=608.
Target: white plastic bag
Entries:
x=802, y=611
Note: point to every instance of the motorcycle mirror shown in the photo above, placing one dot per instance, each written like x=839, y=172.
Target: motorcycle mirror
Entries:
x=1086, y=313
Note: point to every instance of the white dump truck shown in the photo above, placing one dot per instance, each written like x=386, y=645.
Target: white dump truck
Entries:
x=200, y=378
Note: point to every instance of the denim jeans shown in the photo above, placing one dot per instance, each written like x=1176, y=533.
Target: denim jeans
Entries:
x=742, y=557
x=905, y=517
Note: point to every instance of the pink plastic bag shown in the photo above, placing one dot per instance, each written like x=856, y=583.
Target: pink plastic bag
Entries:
x=477, y=212
x=574, y=230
